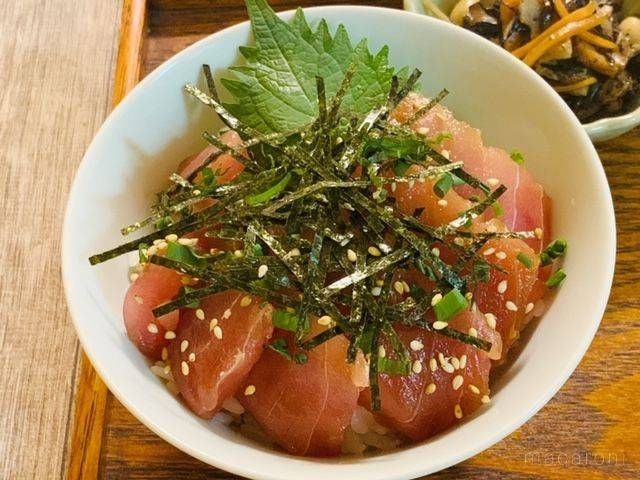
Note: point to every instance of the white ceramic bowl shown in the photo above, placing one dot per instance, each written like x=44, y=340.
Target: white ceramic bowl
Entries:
x=599, y=130
x=157, y=125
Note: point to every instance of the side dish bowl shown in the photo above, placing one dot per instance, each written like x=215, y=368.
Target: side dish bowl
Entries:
x=598, y=130
x=157, y=125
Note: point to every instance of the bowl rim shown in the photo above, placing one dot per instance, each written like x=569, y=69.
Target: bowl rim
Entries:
x=247, y=469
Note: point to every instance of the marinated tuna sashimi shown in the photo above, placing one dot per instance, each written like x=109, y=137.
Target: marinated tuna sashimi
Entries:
x=215, y=347
x=304, y=408
x=447, y=381
x=343, y=277
x=154, y=286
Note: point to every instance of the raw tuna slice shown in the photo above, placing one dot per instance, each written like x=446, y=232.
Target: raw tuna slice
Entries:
x=509, y=296
x=155, y=285
x=449, y=380
x=525, y=204
x=304, y=408
x=216, y=346
x=226, y=166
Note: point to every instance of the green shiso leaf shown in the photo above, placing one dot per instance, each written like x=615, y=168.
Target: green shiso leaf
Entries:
x=275, y=90
x=181, y=253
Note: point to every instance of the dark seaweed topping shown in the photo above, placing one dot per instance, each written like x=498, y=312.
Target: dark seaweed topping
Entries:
x=315, y=216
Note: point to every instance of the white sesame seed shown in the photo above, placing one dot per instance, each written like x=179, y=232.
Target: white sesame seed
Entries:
x=416, y=345
x=433, y=365
x=538, y=232
x=325, y=320
x=473, y=332
x=185, y=368
x=439, y=325
x=442, y=203
x=165, y=354
x=435, y=299
x=528, y=308
x=394, y=185
x=262, y=270
x=455, y=362
x=493, y=182
x=457, y=411
x=441, y=358
x=152, y=328
x=184, y=345
x=435, y=251
x=192, y=357
x=294, y=252
x=511, y=306
x=474, y=389
x=167, y=369
x=157, y=241
x=445, y=154
x=458, y=241
x=406, y=287
x=489, y=251
x=246, y=301
x=463, y=361
x=376, y=291
x=485, y=399
x=133, y=277
x=416, y=367
x=351, y=255
x=501, y=255
x=411, y=183
x=423, y=130
x=491, y=320
x=138, y=299
x=212, y=324
x=250, y=390
x=502, y=286
x=457, y=382
x=382, y=352
x=196, y=192
x=188, y=242
x=200, y=314
x=172, y=237
x=226, y=314
x=238, y=253
x=217, y=332
x=492, y=228
x=374, y=251
x=169, y=335
x=398, y=287
x=447, y=367
x=162, y=245
x=430, y=388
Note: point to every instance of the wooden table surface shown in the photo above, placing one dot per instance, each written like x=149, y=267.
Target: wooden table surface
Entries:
x=57, y=62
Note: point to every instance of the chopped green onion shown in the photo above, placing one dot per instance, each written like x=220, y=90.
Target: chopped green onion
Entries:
x=498, y=211
x=142, y=253
x=443, y=185
x=525, y=259
x=181, y=253
x=394, y=367
x=517, y=157
x=452, y=303
x=270, y=192
x=556, y=279
x=440, y=137
x=554, y=250
x=285, y=320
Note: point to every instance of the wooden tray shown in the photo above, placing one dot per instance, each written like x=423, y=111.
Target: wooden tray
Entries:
x=590, y=430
